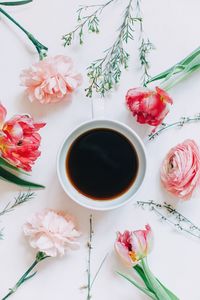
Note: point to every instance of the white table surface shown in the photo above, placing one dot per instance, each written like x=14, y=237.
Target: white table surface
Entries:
x=173, y=26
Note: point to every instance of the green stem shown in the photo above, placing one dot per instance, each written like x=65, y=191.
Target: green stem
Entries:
x=39, y=257
x=172, y=83
x=157, y=287
x=41, y=49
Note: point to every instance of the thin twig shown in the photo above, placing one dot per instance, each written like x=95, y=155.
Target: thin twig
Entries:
x=175, y=218
x=99, y=269
x=89, y=244
x=180, y=124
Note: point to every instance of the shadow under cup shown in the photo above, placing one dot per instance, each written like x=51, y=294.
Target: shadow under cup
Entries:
x=84, y=199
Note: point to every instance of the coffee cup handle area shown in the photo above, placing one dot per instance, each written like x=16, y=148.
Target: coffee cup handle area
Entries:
x=98, y=108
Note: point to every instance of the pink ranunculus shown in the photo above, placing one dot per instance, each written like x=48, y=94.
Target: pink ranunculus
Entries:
x=180, y=172
x=51, y=79
x=148, y=106
x=51, y=232
x=20, y=141
x=132, y=246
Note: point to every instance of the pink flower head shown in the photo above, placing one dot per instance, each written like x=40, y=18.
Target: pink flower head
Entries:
x=3, y=113
x=180, y=172
x=132, y=246
x=51, y=79
x=149, y=107
x=20, y=140
x=51, y=232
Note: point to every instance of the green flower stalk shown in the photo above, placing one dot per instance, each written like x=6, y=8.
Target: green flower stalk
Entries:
x=179, y=71
x=133, y=248
x=58, y=233
x=26, y=276
x=41, y=49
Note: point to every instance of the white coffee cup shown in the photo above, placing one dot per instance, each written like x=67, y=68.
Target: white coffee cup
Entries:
x=75, y=194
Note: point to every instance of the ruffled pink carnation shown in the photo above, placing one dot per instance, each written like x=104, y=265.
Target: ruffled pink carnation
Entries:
x=180, y=172
x=51, y=79
x=51, y=232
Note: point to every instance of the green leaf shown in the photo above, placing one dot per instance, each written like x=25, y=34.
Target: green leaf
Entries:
x=141, y=273
x=15, y=3
x=179, y=67
x=6, y=175
x=6, y=164
x=144, y=290
x=158, y=288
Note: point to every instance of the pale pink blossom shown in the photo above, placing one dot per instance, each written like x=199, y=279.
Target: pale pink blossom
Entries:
x=132, y=246
x=51, y=232
x=180, y=172
x=51, y=79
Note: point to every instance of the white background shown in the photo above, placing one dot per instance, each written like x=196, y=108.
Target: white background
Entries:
x=173, y=26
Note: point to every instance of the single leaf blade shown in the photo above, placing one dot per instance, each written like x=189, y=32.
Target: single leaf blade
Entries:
x=5, y=163
x=144, y=290
x=8, y=176
x=15, y=3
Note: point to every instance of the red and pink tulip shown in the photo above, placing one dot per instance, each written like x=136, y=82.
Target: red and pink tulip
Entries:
x=19, y=140
x=148, y=106
x=132, y=246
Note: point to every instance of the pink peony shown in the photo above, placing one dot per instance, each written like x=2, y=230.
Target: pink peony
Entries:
x=19, y=140
x=51, y=232
x=149, y=107
x=51, y=79
x=132, y=246
x=180, y=172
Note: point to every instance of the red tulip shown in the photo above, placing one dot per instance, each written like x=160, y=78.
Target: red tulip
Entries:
x=149, y=106
x=19, y=140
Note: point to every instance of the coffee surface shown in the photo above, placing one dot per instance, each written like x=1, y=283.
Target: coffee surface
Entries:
x=102, y=164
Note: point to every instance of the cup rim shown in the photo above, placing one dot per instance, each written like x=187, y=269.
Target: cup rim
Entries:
x=115, y=205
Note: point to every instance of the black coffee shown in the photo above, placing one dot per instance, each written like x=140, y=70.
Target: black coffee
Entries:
x=102, y=164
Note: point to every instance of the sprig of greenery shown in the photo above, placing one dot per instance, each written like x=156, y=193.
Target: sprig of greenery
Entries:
x=104, y=73
x=145, y=47
x=174, y=218
x=180, y=124
x=91, y=21
x=19, y=200
x=144, y=50
x=1, y=234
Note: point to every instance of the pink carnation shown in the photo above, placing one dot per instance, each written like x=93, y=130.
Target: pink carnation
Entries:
x=51, y=232
x=180, y=172
x=51, y=79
